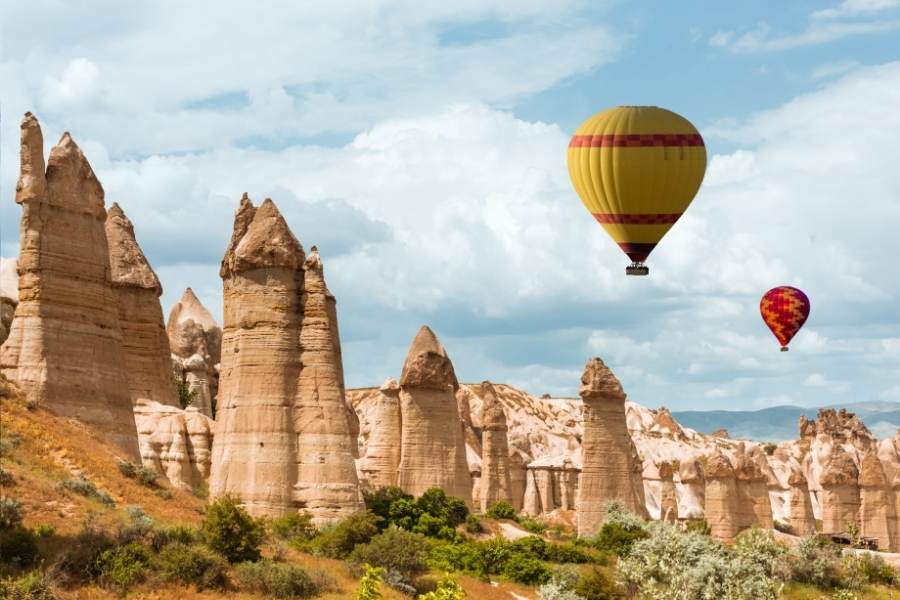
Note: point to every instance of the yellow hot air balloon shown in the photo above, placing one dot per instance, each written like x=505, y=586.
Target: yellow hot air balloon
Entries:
x=636, y=169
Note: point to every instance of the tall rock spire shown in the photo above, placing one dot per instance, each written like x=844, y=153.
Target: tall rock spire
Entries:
x=494, y=482
x=610, y=470
x=65, y=344
x=144, y=340
x=254, y=446
x=433, y=451
x=383, y=451
x=326, y=482
x=195, y=339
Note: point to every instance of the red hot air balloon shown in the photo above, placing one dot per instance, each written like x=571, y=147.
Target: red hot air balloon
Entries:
x=784, y=309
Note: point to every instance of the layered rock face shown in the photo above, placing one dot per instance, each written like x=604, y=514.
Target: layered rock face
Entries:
x=255, y=446
x=65, y=345
x=609, y=471
x=433, y=450
x=494, y=482
x=196, y=343
x=668, y=505
x=326, y=482
x=176, y=443
x=284, y=437
x=722, y=500
x=9, y=295
x=754, y=506
x=877, y=516
x=839, y=497
x=144, y=340
x=800, y=518
x=382, y=457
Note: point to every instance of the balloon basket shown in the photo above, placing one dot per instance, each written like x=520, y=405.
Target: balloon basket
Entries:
x=784, y=348
x=637, y=268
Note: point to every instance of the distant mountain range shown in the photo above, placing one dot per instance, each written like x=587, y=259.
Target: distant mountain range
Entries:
x=779, y=423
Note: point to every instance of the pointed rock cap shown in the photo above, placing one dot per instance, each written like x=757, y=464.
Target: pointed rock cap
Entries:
x=746, y=465
x=493, y=417
x=797, y=478
x=872, y=473
x=390, y=387
x=598, y=382
x=32, y=184
x=313, y=262
x=242, y=217
x=190, y=307
x=268, y=242
x=839, y=469
x=71, y=180
x=427, y=364
x=127, y=262
x=718, y=467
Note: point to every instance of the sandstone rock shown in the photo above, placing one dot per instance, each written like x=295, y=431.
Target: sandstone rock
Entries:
x=608, y=467
x=254, y=452
x=840, y=491
x=144, y=340
x=433, y=452
x=876, y=513
x=174, y=442
x=722, y=500
x=196, y=342
x=495, y=484
x=801, y=518
x=326, y=483
x=65, y=345
x=382, y=457
x=9, y=295
x=753, y=506
x=669, y=501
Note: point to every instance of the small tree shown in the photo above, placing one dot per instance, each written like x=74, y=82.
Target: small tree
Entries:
x=370, y=584
x=186, y=395
x=231, y=531
x=447, y=589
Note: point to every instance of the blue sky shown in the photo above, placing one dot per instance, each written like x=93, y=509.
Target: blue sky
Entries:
x=422, y=148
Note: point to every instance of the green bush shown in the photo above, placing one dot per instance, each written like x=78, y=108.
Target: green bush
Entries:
x=127, y=468
x=122, y=567
x=44, y=530
x=532, y=525
x=866, y=568
x=698, y=526
x=339, y=540
x=597, y=585
x=85, y=487
x=552, y=590
x=404, y=513
x=18, y=546
x=275, y=579
x=501, y=510
x=186, y=395
x=616, y=539
x=146, y=476
x=31, y=586
x=396, y=551
x=447, y=589
x=6, y=478
x=179, y=534
x=370, y=583
x=81, y=560
x=192, y=564
x=231, y=531
x=438, y=504
x=526, y=569
x=294, y=526
x=379, y=502
x=473, y=525
x=10, y=513
x=816, y=561
x=567, y=553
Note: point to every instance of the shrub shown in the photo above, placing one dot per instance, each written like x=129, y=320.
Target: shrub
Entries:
x=447, y=589
x=532, y=525
x=395, y=550
x=9, y=441
x=192, y=564
x=617, y=514
x=438, y=504
x=698, y=526
x=566, y=553
x=141, y=522
x=201, y=490
x=81, y=560
x=404, y=513
x=339, y=540
x=31, y=586
x=473, y=525
x=127, y=468
x=85, y=487
x=554, y=591
x=186, y=395
x=294, y=526
x=146, y=476
x=10, y=513
x=122, y=567
x=370, y=584
x=816, y=561
x=6, y=478
x=18, y=546
x=616, y=539
x=231, y=531
x=865, y=567
x=597, y=585
x=178, y=534
x=44, y=530
x=770, y=448
x=526, y=569
x=501, y=510
x=380, y=501
x=275, y=579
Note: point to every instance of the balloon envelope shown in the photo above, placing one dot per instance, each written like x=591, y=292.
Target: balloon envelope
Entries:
x=785, y=310
x=636, y=169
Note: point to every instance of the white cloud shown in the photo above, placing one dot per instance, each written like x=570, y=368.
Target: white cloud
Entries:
x=76, y=87
x=852, y=8
x=833, y=69
x=762, y=38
